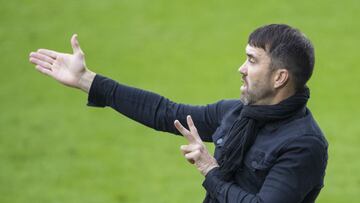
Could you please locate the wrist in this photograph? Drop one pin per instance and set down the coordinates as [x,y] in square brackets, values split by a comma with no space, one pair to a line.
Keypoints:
[209,168]
[86,80]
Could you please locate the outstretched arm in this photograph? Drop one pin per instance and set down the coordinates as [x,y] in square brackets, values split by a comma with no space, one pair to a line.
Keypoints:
[68,69]
[153,110]
[145,107]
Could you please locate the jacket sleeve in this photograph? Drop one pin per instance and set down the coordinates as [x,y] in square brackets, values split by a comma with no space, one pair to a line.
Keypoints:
[153,110]
[297,172]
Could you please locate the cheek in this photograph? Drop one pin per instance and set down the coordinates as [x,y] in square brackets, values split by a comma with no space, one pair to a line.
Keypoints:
[258,79]
[253,77]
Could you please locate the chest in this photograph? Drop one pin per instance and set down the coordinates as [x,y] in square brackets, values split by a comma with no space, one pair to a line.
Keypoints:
[258,160]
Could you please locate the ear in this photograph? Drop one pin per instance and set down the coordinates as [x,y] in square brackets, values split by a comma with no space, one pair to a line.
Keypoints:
[281,78]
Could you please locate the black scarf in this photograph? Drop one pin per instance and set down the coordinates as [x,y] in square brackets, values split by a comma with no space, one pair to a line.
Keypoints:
[244,131]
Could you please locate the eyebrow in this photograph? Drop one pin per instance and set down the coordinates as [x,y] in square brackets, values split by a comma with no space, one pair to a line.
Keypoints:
[250,55]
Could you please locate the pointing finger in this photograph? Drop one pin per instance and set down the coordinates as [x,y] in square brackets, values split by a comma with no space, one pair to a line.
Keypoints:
[186,133]
[49,53]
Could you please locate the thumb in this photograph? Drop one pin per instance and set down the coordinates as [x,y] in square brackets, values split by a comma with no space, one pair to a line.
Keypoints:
[75,45]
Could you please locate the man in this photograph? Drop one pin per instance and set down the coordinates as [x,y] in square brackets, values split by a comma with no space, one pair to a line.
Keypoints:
[268,146]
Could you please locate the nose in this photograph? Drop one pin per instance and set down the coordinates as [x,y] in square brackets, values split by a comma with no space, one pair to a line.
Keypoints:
[243,69]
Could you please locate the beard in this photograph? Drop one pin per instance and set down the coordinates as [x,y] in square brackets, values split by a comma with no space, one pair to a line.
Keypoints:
[244,99]
[257,93]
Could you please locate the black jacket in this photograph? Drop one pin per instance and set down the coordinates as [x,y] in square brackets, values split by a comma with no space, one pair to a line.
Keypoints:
[286,164]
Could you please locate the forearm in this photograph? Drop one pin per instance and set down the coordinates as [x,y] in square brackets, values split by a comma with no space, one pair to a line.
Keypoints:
[226,192]
[230,192]
[296,174]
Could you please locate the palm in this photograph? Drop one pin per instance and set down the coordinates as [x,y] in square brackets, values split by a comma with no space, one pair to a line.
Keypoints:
[68,68]
[63,67]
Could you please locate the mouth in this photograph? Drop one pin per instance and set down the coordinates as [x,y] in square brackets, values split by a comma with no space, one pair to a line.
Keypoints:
[243,80]
[243,87]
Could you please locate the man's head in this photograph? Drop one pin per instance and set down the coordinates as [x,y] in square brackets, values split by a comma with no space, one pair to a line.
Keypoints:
[280,60]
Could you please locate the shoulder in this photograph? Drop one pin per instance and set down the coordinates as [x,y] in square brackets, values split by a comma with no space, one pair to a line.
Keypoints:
[227,105]
[299,134]
[305,135]
[303,127]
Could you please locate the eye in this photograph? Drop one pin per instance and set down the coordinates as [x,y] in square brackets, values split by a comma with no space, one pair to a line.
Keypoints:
[251,60]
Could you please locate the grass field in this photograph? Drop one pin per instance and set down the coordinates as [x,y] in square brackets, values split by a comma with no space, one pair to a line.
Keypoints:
[55,149]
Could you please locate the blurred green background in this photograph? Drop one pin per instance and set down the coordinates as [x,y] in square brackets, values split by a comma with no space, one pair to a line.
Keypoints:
[53,148]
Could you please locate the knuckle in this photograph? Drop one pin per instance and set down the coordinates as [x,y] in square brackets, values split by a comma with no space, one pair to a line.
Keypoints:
[196,155]
[199,147]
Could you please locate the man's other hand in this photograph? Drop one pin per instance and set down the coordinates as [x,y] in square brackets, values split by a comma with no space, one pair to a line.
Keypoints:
[68,69]
[195,152]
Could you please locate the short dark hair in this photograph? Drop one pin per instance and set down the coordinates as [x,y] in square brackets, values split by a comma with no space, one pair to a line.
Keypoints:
[288,48]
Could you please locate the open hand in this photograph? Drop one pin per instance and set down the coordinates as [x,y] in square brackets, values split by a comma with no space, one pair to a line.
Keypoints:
[195,152]
[68,69]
